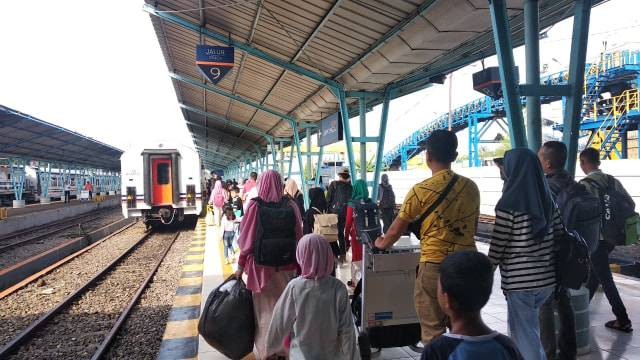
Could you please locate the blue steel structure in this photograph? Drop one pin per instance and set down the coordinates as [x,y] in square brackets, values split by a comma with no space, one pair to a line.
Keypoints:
[615,70]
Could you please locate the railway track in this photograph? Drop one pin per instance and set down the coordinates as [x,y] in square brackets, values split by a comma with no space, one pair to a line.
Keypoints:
[85,323]
[10,241]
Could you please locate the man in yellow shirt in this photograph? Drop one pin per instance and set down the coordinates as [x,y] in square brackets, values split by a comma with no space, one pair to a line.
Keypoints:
[449,226]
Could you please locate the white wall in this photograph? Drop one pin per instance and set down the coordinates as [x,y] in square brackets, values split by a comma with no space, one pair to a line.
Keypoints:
[490,184]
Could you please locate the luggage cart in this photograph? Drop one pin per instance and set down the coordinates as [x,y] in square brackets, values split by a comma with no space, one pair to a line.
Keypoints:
[384,309]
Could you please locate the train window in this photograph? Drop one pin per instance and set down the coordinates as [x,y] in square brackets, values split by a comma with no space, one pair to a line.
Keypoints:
[163,175]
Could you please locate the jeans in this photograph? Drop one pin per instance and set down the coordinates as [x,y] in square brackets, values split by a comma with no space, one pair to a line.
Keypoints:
[601,274]
[524,326]
[387,218]
[566,342]
[66,195]
[227,237]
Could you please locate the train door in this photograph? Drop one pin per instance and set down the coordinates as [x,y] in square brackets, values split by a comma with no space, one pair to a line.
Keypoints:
[161,181]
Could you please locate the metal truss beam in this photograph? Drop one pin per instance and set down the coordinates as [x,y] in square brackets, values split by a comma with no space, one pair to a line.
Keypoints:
[217,90]
[229,137]
[227,40]
[222,120]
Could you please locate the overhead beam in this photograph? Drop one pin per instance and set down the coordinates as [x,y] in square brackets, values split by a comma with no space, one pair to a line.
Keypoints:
[226,121]
[229,137]
[227,40]
[315,31]
[219,91]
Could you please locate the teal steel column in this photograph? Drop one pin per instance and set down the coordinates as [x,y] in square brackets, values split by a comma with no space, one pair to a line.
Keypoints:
[17,171]
[362,102]
[307,132]
[273,154]
[504,52]
[344,115]
[572,118]
[45,180]
[319,166]
[388,93]
[532,56]
[281,149]
[296,140]
[290,160]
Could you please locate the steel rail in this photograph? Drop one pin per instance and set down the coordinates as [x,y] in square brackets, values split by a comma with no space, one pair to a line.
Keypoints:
[44,226]
[127,311]
[27,333]
[69,225]
[28,280]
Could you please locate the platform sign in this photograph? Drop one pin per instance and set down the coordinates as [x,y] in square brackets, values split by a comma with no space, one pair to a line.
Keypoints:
[214,61]
[331,129]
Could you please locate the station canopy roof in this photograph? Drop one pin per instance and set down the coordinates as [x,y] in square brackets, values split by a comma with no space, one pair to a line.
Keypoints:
[363,44]
[27,137]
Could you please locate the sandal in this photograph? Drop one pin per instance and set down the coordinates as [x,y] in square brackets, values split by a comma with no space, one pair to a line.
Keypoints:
[617,325]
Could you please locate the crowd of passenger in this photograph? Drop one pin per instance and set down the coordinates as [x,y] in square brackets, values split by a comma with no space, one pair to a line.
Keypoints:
[302,311]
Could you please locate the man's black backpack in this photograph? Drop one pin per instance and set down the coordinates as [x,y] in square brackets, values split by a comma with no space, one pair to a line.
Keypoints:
[617,207]
[275,243]
[340,196]
[580,211]
[572,260]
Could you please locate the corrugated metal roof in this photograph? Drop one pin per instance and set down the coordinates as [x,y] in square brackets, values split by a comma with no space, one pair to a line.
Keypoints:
[363,44]
[22,135]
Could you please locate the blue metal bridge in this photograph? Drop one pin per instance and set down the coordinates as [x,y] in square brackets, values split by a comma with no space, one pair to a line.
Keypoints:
[606,121]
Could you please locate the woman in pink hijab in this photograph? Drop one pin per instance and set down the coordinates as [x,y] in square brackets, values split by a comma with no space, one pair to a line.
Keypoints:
[265,282]
[314,309]
[219,196]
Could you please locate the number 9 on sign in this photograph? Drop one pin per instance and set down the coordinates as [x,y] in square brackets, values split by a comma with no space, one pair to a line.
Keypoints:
[215,72]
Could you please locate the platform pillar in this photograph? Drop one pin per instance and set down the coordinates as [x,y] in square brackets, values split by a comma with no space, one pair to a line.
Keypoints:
[319,166]
[45,182]
[532,56]
[303,186]
[362,103]
[508,78]
[388,93]
[344,115]
[17,171]
[572,118]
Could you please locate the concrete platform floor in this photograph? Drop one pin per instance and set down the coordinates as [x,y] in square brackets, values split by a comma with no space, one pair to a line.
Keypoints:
[606,344]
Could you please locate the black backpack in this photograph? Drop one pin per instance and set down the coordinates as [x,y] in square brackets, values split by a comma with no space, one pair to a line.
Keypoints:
[572,260]
[367,221]
[275,243]
[616,207]
[341,195]
[580,212]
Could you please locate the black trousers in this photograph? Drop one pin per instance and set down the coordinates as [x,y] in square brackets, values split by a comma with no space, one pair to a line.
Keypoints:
[66,196]
[342,219]
[601,274]
[387,218]
[560,301]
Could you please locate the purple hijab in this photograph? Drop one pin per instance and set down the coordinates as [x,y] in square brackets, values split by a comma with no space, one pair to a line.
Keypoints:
[314,256]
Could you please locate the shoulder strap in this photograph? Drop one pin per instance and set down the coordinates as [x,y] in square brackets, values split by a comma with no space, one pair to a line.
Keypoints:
[439,200]
[316,209]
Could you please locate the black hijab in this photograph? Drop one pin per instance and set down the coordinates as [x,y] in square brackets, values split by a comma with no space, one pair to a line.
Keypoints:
[526,190]
[317,199]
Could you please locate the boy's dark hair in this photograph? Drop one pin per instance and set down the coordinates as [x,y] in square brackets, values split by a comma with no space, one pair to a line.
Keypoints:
[591,155]
[467,277]
[442,145]
[556,153]
[229,211]
[236,189]
[254,175]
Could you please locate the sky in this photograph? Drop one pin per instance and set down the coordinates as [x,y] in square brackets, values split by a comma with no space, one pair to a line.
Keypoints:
[96,67]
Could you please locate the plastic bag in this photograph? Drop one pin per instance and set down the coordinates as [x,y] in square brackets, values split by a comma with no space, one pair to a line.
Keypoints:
[227,320]
[209,219]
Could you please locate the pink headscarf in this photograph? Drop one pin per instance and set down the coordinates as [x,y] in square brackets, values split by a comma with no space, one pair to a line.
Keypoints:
[270,190]
[314,256]
[217,190]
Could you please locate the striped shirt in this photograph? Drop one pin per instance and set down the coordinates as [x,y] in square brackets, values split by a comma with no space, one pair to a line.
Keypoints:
[525,263]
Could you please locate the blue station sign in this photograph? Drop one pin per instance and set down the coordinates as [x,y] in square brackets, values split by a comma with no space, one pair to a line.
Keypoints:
[331,130]
[214,61]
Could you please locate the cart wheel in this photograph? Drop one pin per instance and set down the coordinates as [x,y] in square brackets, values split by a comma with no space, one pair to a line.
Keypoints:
[365,346]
